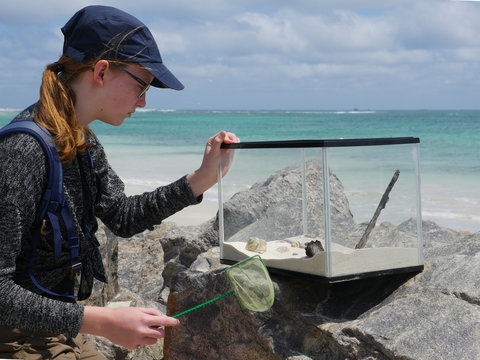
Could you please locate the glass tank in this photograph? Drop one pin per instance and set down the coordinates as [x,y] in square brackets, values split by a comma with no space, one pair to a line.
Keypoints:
[339,209]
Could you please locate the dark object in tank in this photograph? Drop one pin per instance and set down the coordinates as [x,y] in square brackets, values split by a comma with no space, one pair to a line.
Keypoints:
[313,247]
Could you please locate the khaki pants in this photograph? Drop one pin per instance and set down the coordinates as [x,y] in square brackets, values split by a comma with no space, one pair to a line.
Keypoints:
[19,344]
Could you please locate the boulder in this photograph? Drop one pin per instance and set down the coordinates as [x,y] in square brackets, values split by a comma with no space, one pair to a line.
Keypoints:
[102,293]
[140,262]
[184,244]
[430,315]
[273,209]
[433,314]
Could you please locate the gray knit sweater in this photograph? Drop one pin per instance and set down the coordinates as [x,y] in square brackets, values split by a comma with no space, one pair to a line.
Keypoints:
[23,178]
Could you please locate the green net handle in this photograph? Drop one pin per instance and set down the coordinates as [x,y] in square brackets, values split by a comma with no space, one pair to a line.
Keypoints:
[201,305]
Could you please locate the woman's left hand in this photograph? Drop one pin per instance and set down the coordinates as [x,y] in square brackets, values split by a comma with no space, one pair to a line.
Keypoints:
[206,176]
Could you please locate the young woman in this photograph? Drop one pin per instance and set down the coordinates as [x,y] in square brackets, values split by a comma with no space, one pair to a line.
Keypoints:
[109,61]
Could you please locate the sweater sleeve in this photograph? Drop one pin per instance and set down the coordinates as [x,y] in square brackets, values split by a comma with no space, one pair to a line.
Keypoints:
[128,215]
[22,180]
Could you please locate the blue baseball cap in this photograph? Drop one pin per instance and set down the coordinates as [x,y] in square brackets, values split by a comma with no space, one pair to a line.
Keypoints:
[115,35]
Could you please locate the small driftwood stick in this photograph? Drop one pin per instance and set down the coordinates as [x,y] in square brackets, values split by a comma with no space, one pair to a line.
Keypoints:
[363,241]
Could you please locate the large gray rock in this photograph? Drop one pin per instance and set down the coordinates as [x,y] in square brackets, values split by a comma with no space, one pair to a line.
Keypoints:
[102,293]
[140,262]
[417,316]
[273,209]
[431,315]
[184,244]
[227,333]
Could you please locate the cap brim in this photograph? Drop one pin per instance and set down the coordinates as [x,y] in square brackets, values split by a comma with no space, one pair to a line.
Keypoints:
[163,78]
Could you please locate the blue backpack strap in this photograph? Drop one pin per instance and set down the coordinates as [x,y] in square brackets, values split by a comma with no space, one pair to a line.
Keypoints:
[53,202]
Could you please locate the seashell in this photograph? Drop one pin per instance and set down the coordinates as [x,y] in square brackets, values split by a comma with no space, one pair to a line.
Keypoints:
[313,247]
[282,249]
[295,244]
[256,244]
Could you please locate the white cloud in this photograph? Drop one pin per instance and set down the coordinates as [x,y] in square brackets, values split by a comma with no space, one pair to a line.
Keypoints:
[277,45]
[173,42]
[22,12]
[277,34]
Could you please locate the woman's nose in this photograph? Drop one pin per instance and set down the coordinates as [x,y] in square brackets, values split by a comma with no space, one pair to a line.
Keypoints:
[142,101]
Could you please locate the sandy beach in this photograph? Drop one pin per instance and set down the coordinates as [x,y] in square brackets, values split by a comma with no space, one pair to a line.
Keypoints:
[195,214]
[191,215]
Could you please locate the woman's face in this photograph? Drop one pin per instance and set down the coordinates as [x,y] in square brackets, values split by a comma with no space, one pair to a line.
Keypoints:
[125,89]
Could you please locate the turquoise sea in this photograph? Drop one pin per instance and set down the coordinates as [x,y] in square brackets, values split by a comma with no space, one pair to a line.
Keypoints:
[155,147]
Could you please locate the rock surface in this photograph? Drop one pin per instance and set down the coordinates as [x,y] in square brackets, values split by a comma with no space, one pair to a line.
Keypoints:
[278,200]
[434,314]
[431,315]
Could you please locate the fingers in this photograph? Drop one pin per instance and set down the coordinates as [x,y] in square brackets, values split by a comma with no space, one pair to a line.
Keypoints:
[153,329]
[205,176]
[224,137]
[170,321]
[159,319]
[146,341]
[150,326]
[154,323]
[163,320]
[149,341]
[229,138]
[151,335]
[127,326]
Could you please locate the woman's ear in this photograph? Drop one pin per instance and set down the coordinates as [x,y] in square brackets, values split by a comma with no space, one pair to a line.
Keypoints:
[99,70]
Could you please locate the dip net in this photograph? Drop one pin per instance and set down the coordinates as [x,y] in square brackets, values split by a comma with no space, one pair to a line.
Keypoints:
[250,283]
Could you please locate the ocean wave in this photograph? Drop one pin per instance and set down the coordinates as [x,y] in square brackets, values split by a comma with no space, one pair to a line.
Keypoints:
[10,110]
[355,112]
[454,220]
[450,214]
[155,110]
[145,184]
[250,112]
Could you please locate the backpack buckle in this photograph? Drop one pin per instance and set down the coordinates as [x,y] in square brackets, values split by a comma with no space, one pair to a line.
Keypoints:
[75,270]
[43,229]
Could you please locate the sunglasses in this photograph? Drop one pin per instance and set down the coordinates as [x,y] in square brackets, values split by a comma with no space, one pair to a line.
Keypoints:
[138,80]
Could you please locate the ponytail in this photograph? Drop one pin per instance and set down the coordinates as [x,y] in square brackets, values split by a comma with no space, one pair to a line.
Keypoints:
[56,108]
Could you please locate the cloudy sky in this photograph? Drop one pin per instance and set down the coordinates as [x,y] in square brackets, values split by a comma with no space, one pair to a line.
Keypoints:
[275,54]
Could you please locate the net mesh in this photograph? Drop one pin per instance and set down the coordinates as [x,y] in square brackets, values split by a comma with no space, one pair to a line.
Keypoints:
[251,284]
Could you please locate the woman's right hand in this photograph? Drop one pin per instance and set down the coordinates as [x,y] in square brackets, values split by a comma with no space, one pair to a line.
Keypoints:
[206,176]
[129,327]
